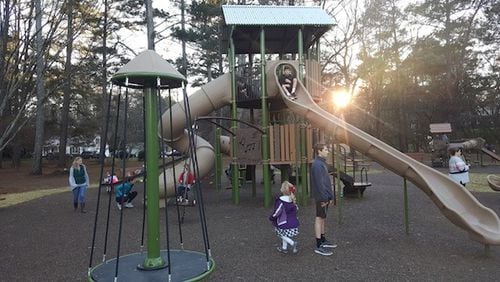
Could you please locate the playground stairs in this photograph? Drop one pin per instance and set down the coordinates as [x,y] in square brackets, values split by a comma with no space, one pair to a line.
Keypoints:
[352,187]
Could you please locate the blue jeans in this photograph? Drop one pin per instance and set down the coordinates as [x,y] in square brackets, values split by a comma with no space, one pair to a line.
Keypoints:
[183,191]
[79,194]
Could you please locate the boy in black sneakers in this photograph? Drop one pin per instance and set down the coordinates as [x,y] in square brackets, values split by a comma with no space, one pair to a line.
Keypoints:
[321,187]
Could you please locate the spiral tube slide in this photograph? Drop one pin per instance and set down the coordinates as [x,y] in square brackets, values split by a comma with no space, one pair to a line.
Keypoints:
[453,200]
[208,98]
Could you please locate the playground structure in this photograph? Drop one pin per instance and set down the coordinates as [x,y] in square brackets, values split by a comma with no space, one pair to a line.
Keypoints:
[175,125]
[356,182]
[441,143]
[453,200]
[150,73]
[493,182]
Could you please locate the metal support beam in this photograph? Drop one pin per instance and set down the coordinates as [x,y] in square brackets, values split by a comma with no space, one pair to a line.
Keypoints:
[265,121]
[407,222]
[234,125]
[153,259]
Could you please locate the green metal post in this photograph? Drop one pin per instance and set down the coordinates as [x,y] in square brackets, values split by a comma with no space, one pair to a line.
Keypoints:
[303,164]
[302,137]
[300,40]
[153,259]
[218,160]
[253,167]
[303,155]
[340,193]
[407,225]
[235,174]
[254,181]
[265,122]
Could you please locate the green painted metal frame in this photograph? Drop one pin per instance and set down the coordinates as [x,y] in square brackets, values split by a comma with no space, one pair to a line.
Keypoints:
[153,259]
[234,125]
[405,192]
[265,122]
[302,144]
[339,191]
[218,160]
[304,183]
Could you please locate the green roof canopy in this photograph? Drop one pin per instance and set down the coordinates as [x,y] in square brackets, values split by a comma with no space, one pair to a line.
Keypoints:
[145,69]
[281,25]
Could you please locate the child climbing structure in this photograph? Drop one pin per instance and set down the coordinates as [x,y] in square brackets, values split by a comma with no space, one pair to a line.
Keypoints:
[453,200]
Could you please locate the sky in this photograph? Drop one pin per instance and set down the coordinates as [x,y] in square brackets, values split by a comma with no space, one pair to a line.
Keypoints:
[168,49]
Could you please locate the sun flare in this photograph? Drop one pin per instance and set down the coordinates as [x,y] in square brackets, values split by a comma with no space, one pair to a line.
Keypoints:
[341,99]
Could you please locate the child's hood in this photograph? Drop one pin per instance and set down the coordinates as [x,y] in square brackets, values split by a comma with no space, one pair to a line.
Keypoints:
[286,198]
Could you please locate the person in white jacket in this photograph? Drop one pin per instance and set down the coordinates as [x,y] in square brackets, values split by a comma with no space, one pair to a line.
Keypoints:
[458,169]
[78,182]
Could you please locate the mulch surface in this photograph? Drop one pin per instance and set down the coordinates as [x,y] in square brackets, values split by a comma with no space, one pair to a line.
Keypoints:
[45,240]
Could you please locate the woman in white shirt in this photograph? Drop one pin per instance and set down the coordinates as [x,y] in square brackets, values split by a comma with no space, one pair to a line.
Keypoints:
[458,169]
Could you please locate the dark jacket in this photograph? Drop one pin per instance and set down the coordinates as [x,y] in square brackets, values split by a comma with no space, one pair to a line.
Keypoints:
[321,185]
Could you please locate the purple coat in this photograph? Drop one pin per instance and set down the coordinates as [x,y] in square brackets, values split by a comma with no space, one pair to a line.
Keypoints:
[285,213]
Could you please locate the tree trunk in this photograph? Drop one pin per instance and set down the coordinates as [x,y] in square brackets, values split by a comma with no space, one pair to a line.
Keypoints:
[40,88]
[67,88]
[4,36]
[104,83]
[16,154]
[150,25]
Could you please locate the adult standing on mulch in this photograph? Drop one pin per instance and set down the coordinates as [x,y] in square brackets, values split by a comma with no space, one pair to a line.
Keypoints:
[321,186]
[78,182]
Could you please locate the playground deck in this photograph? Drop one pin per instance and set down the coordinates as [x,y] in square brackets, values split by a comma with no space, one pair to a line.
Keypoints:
[44,240]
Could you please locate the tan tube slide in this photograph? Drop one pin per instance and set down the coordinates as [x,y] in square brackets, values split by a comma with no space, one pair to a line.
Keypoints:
[454,201]
[208,98]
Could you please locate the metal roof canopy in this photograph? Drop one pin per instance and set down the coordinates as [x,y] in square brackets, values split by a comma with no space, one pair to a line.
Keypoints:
[281,25]
[144,70]
[440,127]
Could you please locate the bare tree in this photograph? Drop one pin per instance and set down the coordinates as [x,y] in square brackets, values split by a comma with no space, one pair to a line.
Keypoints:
[67,87]
[40,89]
[339,54]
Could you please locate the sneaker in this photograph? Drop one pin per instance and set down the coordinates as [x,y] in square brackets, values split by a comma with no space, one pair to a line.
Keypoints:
[283,251]
[119,206]
[326,244]
[129,205]
[295,250]
[322,251]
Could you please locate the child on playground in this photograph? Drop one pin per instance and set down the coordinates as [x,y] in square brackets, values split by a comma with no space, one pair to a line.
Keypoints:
[288,82]
[284,218]
[186,180]
[123,193]
[109,181]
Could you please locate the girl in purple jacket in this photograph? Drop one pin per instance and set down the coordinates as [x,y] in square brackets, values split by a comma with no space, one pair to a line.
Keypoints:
[284,218]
